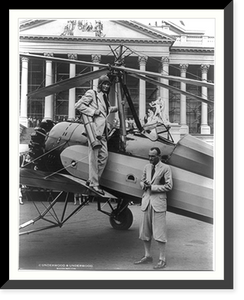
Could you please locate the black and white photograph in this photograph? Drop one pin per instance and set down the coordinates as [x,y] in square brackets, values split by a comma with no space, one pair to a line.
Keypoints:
[117,146]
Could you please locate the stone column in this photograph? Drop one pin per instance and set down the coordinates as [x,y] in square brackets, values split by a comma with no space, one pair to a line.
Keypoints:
[142,89]
[48,111]
[205,129]
[184,129]
[164,93]
[24,91]
[72,73]
[96,58]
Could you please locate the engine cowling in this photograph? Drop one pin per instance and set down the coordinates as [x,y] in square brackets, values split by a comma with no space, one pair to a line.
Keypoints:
[61,136]
[49,140]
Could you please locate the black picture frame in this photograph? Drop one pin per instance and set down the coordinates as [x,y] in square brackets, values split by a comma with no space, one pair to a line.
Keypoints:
[228,283]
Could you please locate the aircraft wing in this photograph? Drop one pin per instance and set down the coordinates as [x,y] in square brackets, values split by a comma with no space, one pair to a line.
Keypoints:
[58,181]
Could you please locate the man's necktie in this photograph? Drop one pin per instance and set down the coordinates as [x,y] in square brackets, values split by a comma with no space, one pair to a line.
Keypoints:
[106,101]
[153,171]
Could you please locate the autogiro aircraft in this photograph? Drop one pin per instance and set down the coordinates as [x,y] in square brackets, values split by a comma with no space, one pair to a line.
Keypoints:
[58,156]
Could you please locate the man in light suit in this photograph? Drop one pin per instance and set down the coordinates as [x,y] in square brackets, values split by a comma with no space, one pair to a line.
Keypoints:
[156,182]
[96,105]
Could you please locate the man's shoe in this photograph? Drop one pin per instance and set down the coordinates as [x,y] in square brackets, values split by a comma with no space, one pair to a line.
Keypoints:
[144,260]
[160,265]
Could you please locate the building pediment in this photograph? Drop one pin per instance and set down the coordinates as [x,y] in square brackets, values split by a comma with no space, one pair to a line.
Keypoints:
[100,29]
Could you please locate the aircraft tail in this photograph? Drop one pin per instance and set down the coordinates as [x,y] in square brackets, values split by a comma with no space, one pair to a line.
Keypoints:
[193,155]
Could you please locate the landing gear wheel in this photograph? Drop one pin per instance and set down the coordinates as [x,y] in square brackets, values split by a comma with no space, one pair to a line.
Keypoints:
[122,220]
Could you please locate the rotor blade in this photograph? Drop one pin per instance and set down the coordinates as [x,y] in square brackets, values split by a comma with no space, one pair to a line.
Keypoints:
[169,77]
[172,88]
[67,83]
[64,60]
[129,70]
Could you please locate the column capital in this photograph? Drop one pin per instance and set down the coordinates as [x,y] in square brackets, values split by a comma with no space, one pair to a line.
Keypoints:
[96,58]
[204,68]
[24,59]
[165,60]
[72,56]
[183,67]
[48,54]
[142,60]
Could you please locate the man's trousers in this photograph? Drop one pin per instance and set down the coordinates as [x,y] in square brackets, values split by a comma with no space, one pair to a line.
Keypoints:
[97,161]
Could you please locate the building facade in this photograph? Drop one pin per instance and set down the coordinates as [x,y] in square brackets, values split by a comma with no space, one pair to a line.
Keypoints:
[165,48]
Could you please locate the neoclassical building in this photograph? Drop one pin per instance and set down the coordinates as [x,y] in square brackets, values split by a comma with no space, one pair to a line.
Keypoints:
[162,48]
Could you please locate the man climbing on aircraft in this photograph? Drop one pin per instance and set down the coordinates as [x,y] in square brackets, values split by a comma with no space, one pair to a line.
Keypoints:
[96,105]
